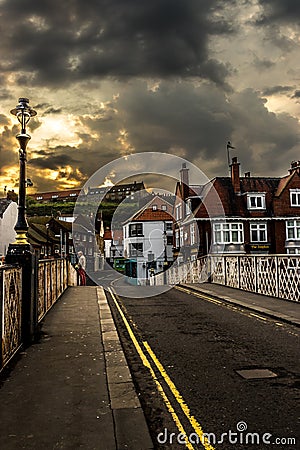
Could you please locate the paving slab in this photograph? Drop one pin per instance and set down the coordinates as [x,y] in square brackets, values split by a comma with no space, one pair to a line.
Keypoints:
[73,389]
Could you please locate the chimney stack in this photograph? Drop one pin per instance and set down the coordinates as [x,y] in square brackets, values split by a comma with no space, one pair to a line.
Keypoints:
[184,179]
[235,175]
[247,174]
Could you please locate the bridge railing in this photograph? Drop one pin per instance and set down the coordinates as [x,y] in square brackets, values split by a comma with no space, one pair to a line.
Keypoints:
[11,312]
[51,278]
[274,275]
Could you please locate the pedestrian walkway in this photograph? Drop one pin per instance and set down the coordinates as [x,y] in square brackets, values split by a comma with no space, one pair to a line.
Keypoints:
[284,310]
[73,389]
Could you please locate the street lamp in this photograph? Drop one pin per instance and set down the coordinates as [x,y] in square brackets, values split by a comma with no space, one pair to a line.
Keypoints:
[20,251]
[23,112]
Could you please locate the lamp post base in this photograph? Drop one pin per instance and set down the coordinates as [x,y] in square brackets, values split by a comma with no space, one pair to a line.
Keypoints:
[22,255]
[18,253]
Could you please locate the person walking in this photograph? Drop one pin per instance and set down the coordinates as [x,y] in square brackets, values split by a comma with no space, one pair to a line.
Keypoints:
[81,268]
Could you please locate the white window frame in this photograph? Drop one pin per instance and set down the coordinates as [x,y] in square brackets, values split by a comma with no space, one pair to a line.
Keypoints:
[295,197]
[168,226]
[133,251]
[293,251]
[178,212]
[181,237]
[136,229]
[188,207]
[256,196]
[164,207]
[260,229]
[177,239]
[192,233]
[292,229]
[228,233]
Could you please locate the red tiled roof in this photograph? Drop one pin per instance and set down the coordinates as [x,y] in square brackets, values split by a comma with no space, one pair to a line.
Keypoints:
[146,213]
[107,235]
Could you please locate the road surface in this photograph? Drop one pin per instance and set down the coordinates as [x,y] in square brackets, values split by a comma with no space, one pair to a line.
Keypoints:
[199,365]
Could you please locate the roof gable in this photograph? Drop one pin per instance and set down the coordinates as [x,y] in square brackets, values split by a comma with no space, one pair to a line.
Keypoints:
[146,213]
[285,181]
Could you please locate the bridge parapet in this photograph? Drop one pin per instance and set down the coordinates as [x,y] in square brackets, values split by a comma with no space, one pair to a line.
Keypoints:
[272,275]
[50,279]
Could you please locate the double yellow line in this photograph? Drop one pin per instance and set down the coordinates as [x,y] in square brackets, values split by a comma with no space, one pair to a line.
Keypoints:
[145,360]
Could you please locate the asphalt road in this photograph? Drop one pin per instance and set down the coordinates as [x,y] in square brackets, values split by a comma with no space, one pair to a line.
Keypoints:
[201,345]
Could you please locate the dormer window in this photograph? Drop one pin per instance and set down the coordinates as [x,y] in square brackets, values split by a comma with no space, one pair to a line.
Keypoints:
[295,197]
[256,200]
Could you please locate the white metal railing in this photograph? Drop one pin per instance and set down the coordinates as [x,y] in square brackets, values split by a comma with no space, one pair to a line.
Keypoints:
[274,275]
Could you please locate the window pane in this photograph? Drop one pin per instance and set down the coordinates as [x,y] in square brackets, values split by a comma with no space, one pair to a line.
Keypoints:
[218,236]
[226,236]
[254,236]
[235,236]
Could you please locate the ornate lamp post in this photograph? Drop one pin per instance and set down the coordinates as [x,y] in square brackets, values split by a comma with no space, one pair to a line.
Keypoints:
[20,251]
[23,112]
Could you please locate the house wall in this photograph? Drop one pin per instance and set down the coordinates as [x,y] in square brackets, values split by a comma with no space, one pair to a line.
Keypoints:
[7,223]
[153,243]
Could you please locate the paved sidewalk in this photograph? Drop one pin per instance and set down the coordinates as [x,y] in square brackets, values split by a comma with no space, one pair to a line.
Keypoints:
[284,310]
[73,389]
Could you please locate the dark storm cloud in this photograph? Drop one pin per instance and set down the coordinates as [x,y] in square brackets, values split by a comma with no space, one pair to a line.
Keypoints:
[263,64]
[8,154]
[196,122]
[273,90]
[269,141]
[52,110]
[280,11]
[178,115]
[53,161]
[296,94]
[66,41]
[3,120]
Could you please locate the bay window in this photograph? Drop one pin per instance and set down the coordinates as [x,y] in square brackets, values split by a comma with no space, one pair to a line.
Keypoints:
[228,233]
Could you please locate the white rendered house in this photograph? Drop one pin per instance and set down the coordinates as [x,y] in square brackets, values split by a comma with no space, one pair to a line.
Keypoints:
[148,239]
[8,219]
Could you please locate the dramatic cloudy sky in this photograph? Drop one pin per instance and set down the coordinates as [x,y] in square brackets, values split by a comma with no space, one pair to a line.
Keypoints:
[114,77]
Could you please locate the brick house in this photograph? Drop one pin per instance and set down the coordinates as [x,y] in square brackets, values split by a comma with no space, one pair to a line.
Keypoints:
[238,214]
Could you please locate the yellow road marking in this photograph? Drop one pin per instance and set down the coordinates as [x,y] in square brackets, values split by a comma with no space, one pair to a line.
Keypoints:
[148,365]
[198,429]
[227,305]
[197,294]
[260,317]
